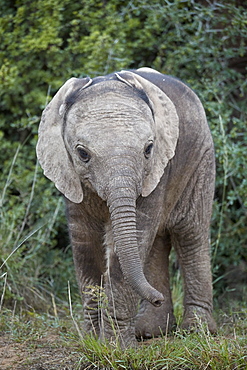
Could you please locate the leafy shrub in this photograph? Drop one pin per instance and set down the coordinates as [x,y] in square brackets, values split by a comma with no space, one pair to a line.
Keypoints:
[45,42]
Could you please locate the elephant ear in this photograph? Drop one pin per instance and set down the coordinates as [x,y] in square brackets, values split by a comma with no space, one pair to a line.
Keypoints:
[51,150]
[166,126]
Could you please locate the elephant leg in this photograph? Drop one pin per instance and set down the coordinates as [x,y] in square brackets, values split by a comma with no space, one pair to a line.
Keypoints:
[154,321]
[118,314]
[190,237]
[194,262]
[120,302]
[87,246]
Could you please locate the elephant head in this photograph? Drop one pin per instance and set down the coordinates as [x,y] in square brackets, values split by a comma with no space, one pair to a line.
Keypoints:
[116,136]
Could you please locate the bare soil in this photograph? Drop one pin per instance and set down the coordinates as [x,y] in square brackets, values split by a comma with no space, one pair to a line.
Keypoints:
[42,354]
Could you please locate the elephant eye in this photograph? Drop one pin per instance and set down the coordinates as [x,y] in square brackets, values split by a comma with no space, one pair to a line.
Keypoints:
[83,154]
[148,150]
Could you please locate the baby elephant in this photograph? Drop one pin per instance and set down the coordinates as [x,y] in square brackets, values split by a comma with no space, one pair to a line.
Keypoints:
[133,155]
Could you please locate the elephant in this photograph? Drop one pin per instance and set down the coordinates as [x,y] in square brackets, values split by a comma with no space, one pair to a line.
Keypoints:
[133,155]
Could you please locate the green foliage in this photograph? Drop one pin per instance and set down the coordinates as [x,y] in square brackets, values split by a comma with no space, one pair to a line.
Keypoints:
[45,42]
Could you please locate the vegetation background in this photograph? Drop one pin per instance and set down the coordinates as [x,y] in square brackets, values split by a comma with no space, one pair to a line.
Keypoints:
[45,42]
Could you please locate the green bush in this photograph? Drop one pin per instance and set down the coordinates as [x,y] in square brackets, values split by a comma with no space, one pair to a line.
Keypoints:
[45,42]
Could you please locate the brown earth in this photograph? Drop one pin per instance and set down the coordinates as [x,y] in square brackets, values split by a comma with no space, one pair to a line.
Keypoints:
[43,354]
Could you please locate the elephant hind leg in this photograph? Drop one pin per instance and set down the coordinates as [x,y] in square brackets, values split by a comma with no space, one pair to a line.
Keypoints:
[189,232]
[155,321]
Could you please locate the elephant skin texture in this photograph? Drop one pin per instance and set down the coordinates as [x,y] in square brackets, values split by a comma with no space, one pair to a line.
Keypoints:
[133,155]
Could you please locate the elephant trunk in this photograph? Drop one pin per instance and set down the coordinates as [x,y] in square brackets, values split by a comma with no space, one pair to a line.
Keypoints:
[122,207]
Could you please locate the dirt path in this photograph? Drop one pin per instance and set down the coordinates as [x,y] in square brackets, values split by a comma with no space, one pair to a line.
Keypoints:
[43,354]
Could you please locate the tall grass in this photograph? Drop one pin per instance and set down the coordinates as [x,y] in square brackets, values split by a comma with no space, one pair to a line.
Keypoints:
[28,250]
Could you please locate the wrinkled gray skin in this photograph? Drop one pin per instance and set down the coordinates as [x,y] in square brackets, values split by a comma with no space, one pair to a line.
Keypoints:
[128,202]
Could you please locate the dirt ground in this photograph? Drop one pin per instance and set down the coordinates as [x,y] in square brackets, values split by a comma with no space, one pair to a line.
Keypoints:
[43,354]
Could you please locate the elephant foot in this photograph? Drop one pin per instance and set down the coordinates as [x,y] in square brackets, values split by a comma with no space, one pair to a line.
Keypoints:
[90,326]
[120,332]
[154,321]
[195,317]
[120,338]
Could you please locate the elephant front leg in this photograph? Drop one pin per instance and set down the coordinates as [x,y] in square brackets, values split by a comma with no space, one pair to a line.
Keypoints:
[89,277]
[89,260]
[154,321]
[119,311]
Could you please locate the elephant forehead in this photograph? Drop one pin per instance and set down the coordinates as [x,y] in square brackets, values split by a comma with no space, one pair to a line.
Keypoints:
[96,136]
[111,105]
[109,117]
